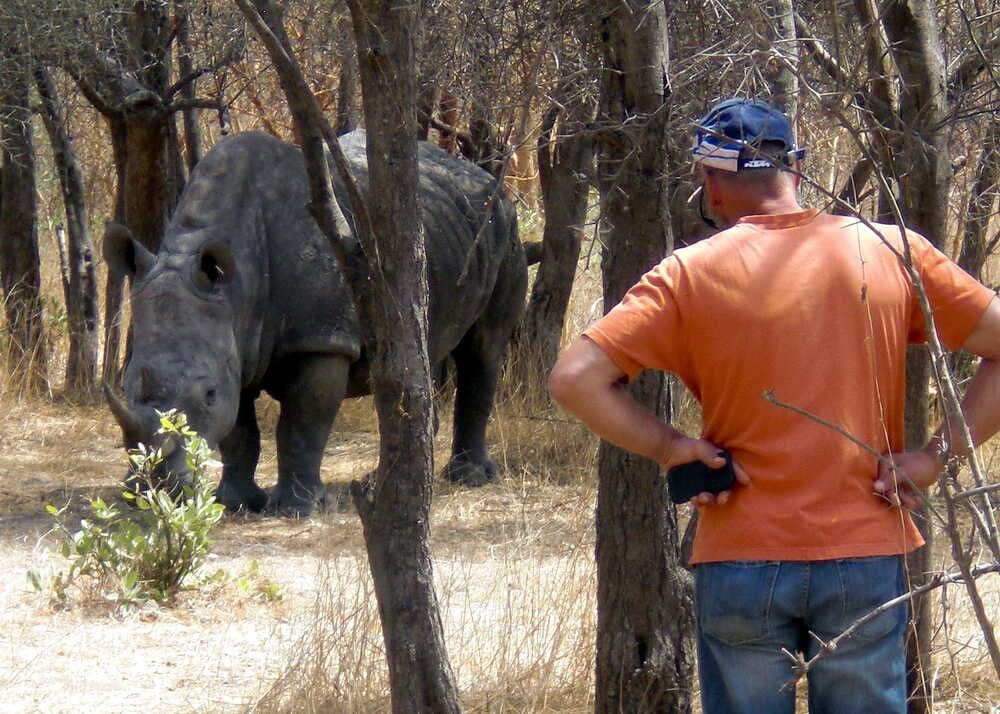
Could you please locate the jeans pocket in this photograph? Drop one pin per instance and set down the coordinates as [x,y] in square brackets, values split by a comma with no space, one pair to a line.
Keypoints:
[868,583]
[734,600]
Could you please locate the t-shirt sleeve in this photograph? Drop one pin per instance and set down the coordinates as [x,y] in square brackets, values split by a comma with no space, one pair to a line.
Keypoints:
[957,299]
[643,330]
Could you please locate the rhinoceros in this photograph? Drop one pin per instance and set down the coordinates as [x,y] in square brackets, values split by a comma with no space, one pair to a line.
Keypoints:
[244,295]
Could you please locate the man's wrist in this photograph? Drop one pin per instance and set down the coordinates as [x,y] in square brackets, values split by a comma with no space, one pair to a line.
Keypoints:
[939,448]
[666,452]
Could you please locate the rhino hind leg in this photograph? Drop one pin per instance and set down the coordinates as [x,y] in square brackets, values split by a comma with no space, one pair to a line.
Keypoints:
[477,362]
[240,451]
[310,388]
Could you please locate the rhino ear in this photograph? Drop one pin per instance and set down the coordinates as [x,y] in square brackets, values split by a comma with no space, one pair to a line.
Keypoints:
[125,256]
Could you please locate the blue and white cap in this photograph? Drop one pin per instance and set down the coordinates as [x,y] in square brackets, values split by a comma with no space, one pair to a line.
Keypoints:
[728,135]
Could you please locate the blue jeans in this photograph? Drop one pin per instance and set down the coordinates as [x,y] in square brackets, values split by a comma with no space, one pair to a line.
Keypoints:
[749,610]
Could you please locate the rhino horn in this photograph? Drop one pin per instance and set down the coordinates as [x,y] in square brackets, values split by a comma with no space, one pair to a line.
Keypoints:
[127,419]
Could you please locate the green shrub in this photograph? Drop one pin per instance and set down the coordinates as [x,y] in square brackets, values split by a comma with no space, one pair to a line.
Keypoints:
[152,552]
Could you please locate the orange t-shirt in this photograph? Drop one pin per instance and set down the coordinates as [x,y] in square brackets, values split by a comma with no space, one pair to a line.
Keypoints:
[816,308]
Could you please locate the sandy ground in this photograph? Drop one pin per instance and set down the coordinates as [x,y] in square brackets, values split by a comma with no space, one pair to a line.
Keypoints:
[505,555]
[513,569]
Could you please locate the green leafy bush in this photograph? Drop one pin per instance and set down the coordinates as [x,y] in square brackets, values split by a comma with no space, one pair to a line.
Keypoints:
[150,553]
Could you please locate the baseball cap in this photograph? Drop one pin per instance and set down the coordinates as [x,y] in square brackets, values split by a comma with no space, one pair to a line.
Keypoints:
[729,136]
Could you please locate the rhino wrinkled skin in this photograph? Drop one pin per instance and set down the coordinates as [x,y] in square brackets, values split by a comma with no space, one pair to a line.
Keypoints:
[245,295]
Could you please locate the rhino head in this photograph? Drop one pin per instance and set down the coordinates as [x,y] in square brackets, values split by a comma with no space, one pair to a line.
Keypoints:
[184,352]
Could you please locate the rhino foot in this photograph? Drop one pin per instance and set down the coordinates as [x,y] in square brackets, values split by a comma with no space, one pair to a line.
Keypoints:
[464,470]
[295,501]
[249,497]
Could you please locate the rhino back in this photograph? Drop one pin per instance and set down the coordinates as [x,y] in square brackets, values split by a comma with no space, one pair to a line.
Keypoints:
[467,229]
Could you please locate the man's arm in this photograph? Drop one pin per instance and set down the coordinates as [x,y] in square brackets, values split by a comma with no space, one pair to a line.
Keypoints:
[980,406]
[588,384]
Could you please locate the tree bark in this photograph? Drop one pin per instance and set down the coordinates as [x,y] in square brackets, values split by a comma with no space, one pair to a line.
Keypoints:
[644,638]
[128,86]
[977,246]
[348,109]
[80,284]
[20,272]
[185,68]
[922,167]
[783,82]
[394,502]
[565,164]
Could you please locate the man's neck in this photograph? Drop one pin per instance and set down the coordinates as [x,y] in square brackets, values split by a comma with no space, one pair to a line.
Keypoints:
[765,207]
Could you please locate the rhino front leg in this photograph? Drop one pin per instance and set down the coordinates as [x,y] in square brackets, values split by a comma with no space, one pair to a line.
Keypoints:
[240,451]
[310,391]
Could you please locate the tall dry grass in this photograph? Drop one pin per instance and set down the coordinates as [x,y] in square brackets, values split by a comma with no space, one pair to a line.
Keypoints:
[519,630]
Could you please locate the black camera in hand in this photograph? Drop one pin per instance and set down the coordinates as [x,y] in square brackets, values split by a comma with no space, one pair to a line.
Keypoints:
[685,481]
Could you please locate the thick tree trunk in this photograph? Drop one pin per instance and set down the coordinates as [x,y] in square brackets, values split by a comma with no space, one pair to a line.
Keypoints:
[146,192]
[20,274]
[923,170]
[644,639]
[565,166]
[394,502]
[80,284]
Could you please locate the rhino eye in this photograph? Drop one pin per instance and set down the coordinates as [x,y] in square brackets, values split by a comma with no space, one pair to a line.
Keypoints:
[211,269]
[215,266]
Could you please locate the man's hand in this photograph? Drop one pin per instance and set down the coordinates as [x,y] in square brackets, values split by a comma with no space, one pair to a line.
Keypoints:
[921,467]
[682,450]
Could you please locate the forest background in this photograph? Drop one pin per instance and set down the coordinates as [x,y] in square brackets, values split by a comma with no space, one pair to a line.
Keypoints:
[583,111]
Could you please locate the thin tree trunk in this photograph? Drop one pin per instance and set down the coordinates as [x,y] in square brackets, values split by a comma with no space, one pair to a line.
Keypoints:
[565,166]
[20,273]
[783,81]
[348,109]
[114,285]
[80,285]
[644,638]
[924,176]
[394,503]
[976,243]
[185,67]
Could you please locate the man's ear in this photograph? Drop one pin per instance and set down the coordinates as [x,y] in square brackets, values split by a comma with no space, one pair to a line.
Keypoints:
[125,256]
[797,175]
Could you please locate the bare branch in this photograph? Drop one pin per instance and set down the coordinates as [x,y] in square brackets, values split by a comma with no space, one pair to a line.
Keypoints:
[802,666]
[194,103]
[768,396]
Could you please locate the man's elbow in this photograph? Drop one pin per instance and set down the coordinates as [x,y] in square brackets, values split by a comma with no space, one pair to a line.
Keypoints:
[562,382]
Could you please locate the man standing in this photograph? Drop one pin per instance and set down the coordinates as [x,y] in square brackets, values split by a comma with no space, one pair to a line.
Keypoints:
[816,309]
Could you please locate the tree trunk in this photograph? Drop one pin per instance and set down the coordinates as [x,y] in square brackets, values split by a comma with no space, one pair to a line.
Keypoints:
[394,502]
[783,82]
[565,166]
[20,273]
[80,285]
[185,67]
[923,170]
[976,243]
[114,285]
[348,111]
[644,638]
